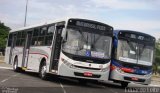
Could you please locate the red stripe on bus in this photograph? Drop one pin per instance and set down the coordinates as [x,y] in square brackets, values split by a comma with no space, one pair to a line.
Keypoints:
[39,54]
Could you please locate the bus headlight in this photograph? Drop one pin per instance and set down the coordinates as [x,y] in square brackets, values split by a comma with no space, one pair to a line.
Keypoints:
[67,63]
[119,70]
[148,75]
[105,69]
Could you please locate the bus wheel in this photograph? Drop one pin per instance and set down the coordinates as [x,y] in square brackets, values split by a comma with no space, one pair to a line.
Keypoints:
[43,71]
[15,65]
[124,84]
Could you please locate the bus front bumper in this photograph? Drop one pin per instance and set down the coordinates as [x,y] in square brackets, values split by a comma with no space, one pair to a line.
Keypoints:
[122,76]
[65,70]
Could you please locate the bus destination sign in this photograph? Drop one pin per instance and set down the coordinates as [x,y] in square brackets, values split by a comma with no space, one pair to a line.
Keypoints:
[136,36]
[89,24]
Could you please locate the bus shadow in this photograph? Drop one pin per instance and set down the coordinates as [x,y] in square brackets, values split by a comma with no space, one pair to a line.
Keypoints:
[74,82]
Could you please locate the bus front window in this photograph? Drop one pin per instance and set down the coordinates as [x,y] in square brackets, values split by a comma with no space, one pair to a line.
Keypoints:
[145,53]
[127,51]
[79,42]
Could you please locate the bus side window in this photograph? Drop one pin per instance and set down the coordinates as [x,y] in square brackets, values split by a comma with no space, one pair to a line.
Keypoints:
[35,36]
[49,35]
[10,40]
[18,38]
[23,38]
[41,37]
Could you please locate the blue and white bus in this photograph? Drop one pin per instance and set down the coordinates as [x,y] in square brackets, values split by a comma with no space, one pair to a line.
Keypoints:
[132,57]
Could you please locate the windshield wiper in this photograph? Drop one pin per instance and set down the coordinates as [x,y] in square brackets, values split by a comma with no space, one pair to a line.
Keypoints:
[140,52]
[131,45]
[83,36]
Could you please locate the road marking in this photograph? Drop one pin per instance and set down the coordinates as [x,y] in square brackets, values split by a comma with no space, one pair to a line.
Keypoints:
[154,85]
[5,68]
[8,78]
[64,91]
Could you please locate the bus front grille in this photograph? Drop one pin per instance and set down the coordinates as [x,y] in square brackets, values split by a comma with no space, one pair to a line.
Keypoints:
[87,67]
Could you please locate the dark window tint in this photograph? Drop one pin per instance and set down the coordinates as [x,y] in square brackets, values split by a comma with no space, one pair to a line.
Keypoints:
[10,39]
[34,41]
[18,42]
[43,36]
[50,30]
[24,34]
[21,37]
[40,41]
[49,36]
[22,42]
[36,31]
[43,31]
[48,40]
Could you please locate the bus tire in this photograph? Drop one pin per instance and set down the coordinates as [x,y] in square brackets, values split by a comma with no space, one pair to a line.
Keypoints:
[15,65]
[43,70]
[124,84]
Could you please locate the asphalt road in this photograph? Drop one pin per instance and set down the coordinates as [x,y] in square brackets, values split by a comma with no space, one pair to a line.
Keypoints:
[27,82]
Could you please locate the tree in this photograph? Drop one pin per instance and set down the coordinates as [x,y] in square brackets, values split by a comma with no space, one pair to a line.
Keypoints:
[158,41]
[157,56]
[4,30]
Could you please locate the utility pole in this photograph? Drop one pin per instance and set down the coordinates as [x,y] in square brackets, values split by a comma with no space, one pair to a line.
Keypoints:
[25,20]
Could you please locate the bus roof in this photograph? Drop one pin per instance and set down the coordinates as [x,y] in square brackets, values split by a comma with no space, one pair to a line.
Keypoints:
[40,24]
[132,32]
[50,22]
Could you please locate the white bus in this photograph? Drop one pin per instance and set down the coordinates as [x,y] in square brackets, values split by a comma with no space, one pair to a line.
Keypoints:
[73,47]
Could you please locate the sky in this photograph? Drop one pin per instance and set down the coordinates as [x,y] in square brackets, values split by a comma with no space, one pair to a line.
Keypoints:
[138,15]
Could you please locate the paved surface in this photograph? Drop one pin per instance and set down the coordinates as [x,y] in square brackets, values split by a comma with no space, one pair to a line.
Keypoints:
[28,82]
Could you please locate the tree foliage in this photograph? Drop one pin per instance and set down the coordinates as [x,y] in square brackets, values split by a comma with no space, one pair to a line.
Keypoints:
[4,30]
[157,56]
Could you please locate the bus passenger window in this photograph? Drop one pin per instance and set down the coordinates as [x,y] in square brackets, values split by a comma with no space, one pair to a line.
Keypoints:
[34,41]
[35,36]
[41,36]
[10,39]
[49,35]
[40,41]
[43,31]
[50,30]
[48,40]
[35,33]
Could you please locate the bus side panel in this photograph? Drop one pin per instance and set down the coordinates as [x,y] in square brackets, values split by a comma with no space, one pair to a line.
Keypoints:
[19,54]
[36,54]
[7,53]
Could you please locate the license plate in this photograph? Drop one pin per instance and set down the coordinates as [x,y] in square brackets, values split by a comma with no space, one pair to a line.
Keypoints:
[88,74]
[134,78]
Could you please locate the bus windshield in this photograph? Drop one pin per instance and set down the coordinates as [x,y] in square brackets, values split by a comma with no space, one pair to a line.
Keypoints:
[145,53]
[129,51]
[87,43]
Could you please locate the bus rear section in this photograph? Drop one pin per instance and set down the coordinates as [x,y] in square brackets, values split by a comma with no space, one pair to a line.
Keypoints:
[85,50]
[132,57]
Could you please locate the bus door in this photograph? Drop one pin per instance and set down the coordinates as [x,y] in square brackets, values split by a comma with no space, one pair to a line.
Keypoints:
[12,47]
[56,47]
[26,49]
